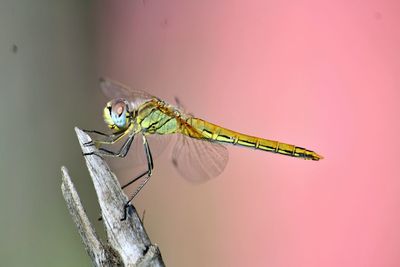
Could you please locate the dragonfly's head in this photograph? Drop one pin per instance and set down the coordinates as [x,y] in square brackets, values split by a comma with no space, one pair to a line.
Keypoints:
[117,115]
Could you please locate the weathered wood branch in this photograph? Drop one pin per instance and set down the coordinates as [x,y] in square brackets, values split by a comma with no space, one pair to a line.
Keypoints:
[128,243]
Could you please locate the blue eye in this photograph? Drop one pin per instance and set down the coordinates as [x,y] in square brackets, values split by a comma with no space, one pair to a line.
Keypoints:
[120,120]
[118,114]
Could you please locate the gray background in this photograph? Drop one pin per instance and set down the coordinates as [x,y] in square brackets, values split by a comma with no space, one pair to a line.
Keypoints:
[46,88]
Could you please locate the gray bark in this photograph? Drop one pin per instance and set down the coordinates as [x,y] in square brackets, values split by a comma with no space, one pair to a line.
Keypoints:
[128,243]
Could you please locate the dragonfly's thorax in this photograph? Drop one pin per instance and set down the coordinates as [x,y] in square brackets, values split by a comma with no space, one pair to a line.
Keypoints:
[157,117]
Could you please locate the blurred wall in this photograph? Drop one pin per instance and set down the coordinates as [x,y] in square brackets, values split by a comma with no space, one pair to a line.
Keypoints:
[47,86]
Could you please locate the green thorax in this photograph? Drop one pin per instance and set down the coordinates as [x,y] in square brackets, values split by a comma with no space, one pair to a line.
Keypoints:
[156,117]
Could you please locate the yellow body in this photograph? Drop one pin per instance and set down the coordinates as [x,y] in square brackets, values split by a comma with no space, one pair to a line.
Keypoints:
[156,117]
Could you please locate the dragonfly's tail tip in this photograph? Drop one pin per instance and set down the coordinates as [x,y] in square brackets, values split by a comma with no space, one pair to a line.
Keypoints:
[318,157]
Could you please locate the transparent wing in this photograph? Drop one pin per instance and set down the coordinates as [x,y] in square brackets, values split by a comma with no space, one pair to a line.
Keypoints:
[180,106]
[199,160]
[113,89]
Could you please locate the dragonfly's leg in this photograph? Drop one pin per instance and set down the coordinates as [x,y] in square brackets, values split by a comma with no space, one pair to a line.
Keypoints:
[113,138]
[121,152]
[96,132]
[149,164]
[109,138]
[90,143]
[150,167]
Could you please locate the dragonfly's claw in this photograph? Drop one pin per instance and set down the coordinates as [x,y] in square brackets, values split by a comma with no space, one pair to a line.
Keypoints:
[126,207]
[94,131]
[90,143]
[87,131]
[92,153]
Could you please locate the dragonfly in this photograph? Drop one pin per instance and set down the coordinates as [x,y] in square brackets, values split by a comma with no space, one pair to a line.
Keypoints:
[199,152]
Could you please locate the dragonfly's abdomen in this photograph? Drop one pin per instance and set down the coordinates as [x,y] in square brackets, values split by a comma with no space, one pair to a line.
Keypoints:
[214,132]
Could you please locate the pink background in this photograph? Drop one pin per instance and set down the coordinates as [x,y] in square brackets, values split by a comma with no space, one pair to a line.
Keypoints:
[318,74]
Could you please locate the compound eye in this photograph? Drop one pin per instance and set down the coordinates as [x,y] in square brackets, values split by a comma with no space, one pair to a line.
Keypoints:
[118,113]
[119,108]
